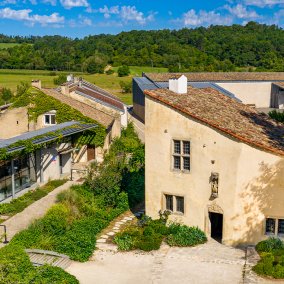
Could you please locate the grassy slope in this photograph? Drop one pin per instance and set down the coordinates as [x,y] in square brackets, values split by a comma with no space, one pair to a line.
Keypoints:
[11,78]
[8,45]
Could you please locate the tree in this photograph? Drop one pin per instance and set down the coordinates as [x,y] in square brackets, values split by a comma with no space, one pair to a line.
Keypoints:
[6,95]
[60,79]
[123,71]
[126,87]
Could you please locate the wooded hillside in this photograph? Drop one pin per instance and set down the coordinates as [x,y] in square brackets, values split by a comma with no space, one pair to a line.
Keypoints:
[216,48]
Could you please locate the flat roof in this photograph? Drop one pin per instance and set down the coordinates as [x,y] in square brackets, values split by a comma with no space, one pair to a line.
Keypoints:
[218,76]
[46,134]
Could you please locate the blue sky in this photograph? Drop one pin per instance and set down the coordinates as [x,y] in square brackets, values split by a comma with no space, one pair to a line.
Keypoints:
[78,18]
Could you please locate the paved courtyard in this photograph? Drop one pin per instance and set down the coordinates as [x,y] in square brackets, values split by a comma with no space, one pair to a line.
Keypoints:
[209,263]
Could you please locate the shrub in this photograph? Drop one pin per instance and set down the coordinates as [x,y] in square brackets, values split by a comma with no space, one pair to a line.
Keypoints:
[79,242]
[269,245]
[150,242]
[109,71]
[60,79]
[124,241]
[19,204]
[14,265]
[126,87]
[49,274]
[123,71]
[181,235]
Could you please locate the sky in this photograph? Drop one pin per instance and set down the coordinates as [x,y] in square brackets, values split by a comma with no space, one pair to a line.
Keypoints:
[79,18]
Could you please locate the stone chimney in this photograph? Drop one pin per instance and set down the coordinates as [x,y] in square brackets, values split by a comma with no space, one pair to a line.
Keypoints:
[36,84]
[179,85]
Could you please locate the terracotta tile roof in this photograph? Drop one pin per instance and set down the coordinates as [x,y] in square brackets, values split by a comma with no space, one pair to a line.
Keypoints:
[218,76]
[227,115]
[101,117]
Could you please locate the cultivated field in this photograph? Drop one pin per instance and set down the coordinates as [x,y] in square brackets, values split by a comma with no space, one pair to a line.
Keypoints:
[11,78]
[7,45]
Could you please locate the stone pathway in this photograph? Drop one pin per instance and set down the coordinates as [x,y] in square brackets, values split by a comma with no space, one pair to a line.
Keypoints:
[104,241]
[35,211]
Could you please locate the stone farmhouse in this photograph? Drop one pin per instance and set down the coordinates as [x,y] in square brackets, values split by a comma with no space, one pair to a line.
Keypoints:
[212,158]
[264,90]
[54,160]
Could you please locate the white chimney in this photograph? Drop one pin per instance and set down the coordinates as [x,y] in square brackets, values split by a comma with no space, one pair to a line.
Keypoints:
[178,85]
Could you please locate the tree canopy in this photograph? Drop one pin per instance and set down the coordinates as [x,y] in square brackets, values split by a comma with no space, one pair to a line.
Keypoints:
[254,46]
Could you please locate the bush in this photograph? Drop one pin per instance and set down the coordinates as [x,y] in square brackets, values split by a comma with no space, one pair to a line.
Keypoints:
[277,115]
[14,265]
[109,71]
[124,241]
[126,87]
[183,236]
[49,274]
[60,79]
[269,245]
[19,204]
[150,242]
[123,71]
[272,258]
[79,242]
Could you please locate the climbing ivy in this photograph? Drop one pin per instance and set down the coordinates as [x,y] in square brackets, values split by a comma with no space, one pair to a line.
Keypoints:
[38,103]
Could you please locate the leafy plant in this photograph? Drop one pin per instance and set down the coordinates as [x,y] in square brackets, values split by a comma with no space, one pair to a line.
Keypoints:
[123,71]
[277,115]
[269,245]
[184,236]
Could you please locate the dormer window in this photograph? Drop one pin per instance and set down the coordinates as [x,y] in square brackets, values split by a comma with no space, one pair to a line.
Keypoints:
[49,119]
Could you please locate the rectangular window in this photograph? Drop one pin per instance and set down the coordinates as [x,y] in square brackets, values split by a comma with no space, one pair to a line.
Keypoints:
[49,119]
[180,204]
[174,203]
[270,226]
[169,202]
[181,155]
[281,226]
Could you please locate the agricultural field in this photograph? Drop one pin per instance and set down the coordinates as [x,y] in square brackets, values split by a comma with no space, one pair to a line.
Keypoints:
[7,45]
[11,78]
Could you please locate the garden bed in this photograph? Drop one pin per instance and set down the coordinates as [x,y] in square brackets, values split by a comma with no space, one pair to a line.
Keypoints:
[148,235]
[271,264]
[19,204]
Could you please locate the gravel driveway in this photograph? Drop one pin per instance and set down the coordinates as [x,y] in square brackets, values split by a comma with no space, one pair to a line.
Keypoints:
[209,263]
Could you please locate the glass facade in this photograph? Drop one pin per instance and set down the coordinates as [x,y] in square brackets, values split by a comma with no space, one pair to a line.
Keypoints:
[24,175]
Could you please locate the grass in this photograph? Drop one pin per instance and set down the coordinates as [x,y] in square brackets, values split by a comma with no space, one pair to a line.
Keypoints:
[8,45]
[19,204]
[11,78]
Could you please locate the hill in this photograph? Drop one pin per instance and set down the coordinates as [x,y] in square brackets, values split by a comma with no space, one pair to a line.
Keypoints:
[216,48]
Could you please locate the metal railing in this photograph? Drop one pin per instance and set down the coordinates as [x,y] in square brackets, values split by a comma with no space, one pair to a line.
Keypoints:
[5,234]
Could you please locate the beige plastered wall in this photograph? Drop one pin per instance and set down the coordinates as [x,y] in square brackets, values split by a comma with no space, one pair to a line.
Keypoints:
[257,93]
[246,176]
[13,122]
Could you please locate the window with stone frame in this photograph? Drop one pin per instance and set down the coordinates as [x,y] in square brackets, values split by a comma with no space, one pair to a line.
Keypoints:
[274,226]
[181,155]
[174,203]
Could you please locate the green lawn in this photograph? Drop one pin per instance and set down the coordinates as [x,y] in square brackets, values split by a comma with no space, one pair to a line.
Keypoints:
[11,78]
[8,45]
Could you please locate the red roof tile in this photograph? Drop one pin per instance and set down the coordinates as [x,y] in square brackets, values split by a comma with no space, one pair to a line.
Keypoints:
[227,115]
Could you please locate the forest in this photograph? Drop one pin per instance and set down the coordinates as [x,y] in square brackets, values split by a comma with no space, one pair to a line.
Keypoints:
[253,47]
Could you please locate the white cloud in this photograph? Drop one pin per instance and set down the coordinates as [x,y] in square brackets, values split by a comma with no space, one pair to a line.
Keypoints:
[242,12]
[80,22]
[26,16]
[68,4]
[204,18]
[125,14]
[51,2]
[263,3]
[7,2]
[114,10]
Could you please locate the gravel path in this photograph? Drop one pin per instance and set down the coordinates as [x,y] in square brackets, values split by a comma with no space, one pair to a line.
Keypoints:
[209,263]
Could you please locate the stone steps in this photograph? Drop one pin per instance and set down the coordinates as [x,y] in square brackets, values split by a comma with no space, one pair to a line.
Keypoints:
[42,257]
[102,242]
